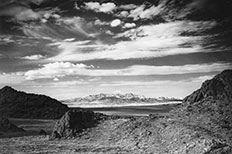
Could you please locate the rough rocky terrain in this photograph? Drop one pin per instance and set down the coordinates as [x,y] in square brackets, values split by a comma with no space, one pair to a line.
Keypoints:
[74,121]
[17,104]
[210,106]
[201,125]
[125,135]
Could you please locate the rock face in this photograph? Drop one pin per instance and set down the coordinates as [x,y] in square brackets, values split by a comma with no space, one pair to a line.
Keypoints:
[210,106]
[218,88]
[73,122]
[146,135]
[17,104]
[213,100]
[6,126]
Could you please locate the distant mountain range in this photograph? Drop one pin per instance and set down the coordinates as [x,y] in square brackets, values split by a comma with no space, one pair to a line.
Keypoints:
[112,100]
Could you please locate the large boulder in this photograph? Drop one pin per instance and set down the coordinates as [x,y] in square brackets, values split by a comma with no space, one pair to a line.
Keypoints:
[74,121]
[17,104]
[42,132]
[6,126]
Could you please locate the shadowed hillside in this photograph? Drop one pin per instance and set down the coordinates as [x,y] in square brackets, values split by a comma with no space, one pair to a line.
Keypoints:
[17,104]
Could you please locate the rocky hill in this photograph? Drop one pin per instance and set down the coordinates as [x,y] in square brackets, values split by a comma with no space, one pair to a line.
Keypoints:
[210,106]
[112,100]
[6,126]
[200,125]
[213,99]
[17,104]
[218,88]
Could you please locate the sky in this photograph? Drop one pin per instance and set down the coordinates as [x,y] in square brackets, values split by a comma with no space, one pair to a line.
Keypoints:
[74,48]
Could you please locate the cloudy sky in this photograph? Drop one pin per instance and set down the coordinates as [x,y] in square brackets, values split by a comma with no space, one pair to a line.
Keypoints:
[73,48]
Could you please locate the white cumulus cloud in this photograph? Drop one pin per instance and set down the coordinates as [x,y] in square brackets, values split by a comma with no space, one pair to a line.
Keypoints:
[129,25]
[115,23]
[55,70]
[33,57]
[62,69]
[123,14]
[104,7]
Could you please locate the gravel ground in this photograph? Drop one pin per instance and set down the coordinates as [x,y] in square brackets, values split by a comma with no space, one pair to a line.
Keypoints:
[124,135]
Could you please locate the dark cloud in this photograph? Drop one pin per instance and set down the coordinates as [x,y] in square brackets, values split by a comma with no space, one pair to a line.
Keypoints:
[197,9]
[21,2]
[20,9]
[19,12]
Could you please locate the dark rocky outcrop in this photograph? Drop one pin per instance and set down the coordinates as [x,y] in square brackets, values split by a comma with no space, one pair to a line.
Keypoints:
[74,121]
[6,126]
[42,132]
[17,104]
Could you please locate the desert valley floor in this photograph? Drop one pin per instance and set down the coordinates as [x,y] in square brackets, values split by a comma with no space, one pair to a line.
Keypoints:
[106,137]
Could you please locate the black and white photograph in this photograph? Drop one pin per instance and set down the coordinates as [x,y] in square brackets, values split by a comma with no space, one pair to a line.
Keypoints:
[115,77]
